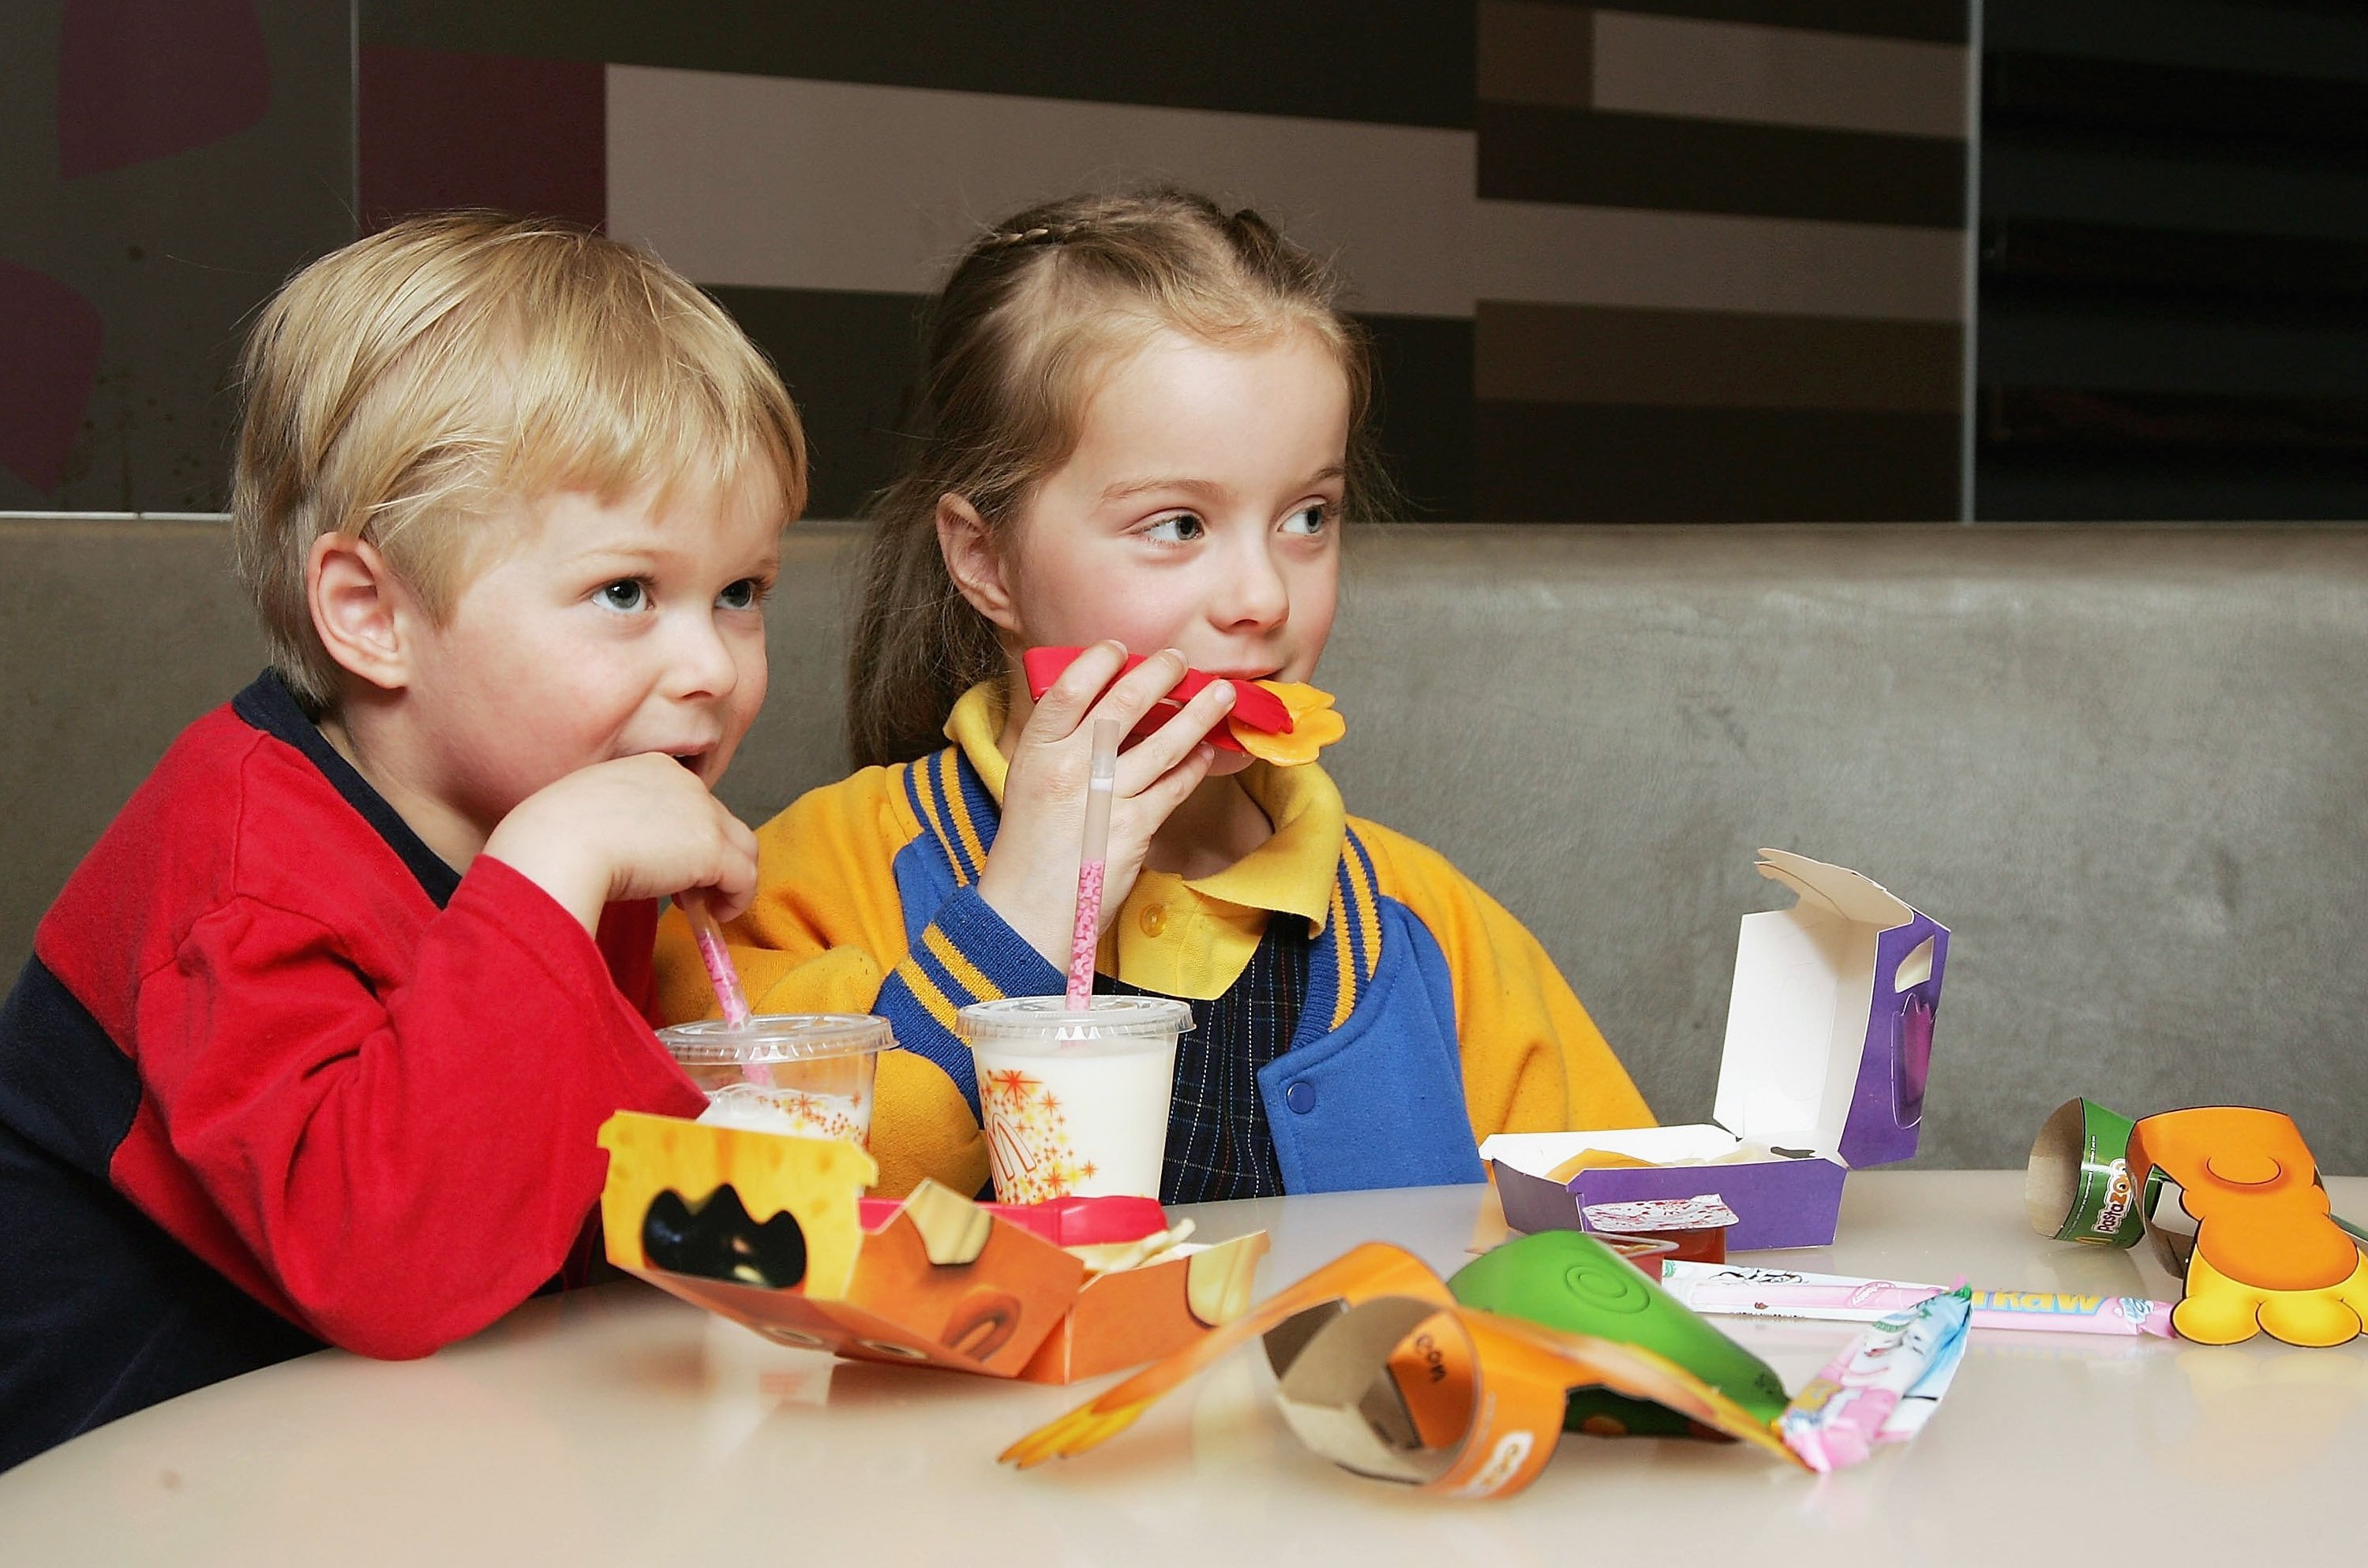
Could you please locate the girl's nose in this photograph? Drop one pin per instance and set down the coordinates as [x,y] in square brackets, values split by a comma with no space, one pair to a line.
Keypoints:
[1253,593]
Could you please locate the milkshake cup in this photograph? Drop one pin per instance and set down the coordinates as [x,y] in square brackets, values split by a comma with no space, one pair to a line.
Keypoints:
[1074,1099]
[808,1075]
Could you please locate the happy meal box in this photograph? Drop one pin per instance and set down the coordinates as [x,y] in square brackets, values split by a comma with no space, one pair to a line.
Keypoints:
[770,1230]
[1828,1040]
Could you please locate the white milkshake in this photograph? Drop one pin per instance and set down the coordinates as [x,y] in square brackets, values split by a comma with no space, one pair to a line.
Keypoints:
[1075,1100]
[808,1075]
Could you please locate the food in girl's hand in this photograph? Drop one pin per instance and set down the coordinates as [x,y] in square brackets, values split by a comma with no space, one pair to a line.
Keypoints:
[1314,725]
[1284,723]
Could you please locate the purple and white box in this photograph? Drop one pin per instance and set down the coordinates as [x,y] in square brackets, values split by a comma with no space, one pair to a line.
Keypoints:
[1829,1041]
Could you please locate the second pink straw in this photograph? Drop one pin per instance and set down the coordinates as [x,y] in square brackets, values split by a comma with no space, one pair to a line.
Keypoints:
[1093,856]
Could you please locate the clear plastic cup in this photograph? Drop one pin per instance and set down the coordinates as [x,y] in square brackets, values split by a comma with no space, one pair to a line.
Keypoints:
[808,1075]
[1074,1099]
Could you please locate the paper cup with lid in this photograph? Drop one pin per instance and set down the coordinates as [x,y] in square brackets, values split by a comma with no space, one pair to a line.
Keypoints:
[808,1074]
[1075,1100]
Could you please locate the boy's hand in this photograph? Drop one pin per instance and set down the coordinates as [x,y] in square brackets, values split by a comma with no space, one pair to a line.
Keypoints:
[637,828]
[1030,877]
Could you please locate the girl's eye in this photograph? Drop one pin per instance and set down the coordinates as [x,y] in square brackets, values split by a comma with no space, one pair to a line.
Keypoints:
[1181,528]
[625,594]
[745,593]
[1311,519]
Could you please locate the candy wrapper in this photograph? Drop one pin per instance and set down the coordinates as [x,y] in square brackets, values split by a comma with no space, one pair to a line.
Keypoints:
[1884,1388]
[1732,1290]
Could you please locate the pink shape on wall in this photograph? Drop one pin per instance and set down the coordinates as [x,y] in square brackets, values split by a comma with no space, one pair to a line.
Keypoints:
[49,341]
[448,130]
[140,79]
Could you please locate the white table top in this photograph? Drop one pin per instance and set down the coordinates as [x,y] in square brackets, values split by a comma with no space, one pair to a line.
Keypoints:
[621,1426]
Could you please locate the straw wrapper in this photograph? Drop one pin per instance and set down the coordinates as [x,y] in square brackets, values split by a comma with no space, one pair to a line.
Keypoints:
[1883,1388]
[1734,1290]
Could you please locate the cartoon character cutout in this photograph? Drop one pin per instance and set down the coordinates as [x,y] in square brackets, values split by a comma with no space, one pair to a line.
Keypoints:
[2267,1254]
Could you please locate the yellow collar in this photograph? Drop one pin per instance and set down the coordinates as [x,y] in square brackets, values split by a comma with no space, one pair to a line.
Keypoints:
[1291,873]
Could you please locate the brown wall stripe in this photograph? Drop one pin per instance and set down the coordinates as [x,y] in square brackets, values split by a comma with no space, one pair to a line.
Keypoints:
[1546,253]
[1323,59]
[1534,53]
[1422,413]
[1933,22]
[1683,66]
[1530,154]
[1556,462]
[442,129]
[1713,359]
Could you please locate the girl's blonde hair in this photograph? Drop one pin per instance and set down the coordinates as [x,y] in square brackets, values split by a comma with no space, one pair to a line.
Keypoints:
[405,388]
[1035,311]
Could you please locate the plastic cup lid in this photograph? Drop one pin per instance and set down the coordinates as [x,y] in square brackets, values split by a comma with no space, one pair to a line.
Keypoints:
[780,1037]
[1049,1020]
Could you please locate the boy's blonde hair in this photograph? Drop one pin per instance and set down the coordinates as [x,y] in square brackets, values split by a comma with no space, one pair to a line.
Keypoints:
[1036,310]
[405,387]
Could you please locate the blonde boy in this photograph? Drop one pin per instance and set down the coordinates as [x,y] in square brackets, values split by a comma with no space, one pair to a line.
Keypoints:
[313,1044]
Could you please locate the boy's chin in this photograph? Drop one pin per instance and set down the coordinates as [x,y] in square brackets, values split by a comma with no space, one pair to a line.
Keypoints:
[1229,762]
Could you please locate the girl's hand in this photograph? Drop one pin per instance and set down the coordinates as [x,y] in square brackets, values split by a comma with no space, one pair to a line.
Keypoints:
[635,827]
[1031,878]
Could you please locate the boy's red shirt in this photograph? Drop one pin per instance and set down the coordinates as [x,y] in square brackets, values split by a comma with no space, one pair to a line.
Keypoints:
[367,1090]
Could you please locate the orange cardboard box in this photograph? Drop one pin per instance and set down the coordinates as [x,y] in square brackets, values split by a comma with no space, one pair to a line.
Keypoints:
[764,1230]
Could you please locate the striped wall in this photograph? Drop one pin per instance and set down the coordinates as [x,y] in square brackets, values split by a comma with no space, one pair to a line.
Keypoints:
[1671,259]
[1701,260]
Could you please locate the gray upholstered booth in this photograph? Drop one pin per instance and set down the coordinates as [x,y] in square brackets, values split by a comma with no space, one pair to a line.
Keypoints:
[2127,767]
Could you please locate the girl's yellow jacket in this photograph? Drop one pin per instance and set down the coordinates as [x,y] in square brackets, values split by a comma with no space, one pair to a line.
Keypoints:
[1432,1020]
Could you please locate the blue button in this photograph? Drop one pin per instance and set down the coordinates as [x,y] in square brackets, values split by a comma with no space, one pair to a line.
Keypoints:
[1300,1097]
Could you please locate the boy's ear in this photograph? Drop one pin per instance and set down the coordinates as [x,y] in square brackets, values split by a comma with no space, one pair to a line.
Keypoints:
[358,610]
[973,562]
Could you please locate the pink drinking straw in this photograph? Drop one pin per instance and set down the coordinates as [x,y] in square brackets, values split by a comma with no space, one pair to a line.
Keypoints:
[1084,934]
[718,958]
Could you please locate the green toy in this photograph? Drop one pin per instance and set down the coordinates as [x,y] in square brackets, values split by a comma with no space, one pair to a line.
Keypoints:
[1569,1281]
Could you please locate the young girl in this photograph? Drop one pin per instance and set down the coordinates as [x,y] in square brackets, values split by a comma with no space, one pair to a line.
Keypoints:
[1144,432]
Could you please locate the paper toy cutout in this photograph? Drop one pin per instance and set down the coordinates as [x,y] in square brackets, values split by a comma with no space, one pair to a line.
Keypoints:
[814,1181]
[2077,1187]
[1827,1050]
[1381,1370]
[2267,1254]
[767,1230]
[1568,1280]
[1283,722]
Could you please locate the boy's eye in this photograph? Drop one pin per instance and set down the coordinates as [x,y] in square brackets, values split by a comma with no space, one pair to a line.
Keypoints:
[1310,520]
[745,593]
[1181,528]
[625,594]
